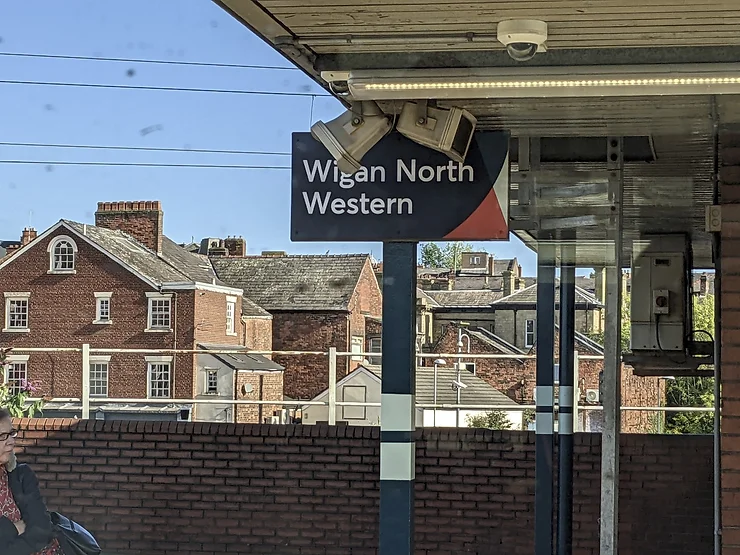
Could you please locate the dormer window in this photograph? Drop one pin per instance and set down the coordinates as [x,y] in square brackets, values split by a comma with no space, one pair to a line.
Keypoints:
[62,254]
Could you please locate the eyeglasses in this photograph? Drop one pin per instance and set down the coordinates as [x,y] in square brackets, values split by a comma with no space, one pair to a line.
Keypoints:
[6,435]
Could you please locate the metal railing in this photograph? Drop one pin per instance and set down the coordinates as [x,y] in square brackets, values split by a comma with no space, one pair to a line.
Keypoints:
[86,401]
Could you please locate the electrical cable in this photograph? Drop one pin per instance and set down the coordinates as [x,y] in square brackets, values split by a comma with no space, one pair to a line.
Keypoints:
[158,88]
[144,61]
[145,149]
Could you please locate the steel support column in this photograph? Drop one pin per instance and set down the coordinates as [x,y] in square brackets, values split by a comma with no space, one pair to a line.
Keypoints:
[397,422]
[544,444]
[611,388]
[565,398]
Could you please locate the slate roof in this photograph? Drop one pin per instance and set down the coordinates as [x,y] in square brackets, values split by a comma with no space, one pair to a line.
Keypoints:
[528,296]
[494,341]
[421,294]
[291,283]
[239,360]
[174,265]
[465,298]
[478,392]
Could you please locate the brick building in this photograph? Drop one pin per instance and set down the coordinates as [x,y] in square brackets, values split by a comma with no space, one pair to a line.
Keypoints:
[316,302]
[517,377]
[119,284]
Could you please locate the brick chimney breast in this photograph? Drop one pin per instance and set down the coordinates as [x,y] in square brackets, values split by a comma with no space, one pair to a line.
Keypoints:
[142,219]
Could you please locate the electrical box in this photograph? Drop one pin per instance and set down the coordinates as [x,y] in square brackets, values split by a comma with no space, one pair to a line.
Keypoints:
[660,304]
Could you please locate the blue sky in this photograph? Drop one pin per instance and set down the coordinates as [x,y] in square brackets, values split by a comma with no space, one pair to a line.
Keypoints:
[197,202]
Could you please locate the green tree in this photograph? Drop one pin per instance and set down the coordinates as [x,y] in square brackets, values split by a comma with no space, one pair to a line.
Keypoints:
[448,256]
[17,402]
[493,420]
[693,391]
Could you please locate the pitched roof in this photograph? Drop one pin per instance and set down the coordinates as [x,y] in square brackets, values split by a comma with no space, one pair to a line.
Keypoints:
[477,392]
[528,296]
[423,295]
[174,265]
[305,282]
[465,298]
[490,338]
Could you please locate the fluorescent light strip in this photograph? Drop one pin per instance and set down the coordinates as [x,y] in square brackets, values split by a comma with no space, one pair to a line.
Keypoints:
[547,82]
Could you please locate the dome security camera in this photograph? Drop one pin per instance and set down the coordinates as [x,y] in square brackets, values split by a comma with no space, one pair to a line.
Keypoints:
[523,38]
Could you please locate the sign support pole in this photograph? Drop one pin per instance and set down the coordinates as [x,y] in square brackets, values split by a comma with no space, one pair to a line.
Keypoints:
[544,415]
[565,398]
[397,420]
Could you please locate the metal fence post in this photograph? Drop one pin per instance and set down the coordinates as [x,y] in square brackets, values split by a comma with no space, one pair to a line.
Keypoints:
[332,386]
[85,381]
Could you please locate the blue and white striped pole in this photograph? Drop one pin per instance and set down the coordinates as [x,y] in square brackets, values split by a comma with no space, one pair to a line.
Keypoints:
[544,444]
[397,421]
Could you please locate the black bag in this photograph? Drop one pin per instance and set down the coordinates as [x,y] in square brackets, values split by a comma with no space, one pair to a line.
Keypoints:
[74,539]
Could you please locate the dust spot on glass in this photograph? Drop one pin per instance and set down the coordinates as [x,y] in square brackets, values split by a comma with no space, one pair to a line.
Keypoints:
[49,168]
[214,23]
[130,72]
[88,214]
[49,107]
[151,129]
[12,186]
[1,40]
[305,88]
[187,147]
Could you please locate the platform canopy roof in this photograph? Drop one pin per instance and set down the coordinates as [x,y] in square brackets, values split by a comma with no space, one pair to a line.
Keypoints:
[669,132]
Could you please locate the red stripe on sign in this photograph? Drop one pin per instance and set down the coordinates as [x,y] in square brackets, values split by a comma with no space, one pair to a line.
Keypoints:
[486,223]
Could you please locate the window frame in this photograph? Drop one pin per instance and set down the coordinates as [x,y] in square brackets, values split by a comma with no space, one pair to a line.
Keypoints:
[100,360]
[346,409]
[151,363]
[527,333]
[15,296]
[53,245]
[231,324]
[99,298]
[208,373]
[11,360]
[357,341]
[153,297]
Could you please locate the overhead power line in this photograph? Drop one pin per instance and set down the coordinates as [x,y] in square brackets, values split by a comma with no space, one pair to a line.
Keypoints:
[143,165]
[155,88]
[146,149]
[144,61]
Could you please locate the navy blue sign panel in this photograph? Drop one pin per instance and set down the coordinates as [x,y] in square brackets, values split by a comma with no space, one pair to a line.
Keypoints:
[403,192]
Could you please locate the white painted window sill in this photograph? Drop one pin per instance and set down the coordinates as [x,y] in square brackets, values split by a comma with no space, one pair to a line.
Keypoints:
[231,334]
[157,330]
[62,272]
[107,322]
[16,330]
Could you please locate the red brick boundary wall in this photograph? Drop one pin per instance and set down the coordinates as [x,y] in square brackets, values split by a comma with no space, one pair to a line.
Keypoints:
[159,488]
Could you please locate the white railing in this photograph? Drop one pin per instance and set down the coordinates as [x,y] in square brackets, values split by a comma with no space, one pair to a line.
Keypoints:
[86,400]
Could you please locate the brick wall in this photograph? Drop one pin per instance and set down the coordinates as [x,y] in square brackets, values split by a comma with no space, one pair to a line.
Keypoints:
[210,319]
[265,387]
[506,375]
[308,375]
[730,338]
[367,300]
[257,333]
[202,489]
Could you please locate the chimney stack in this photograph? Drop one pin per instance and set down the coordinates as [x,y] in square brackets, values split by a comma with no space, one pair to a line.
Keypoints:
[143,220]
[236,246]
[29,234]
[509,282]
[703,285]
